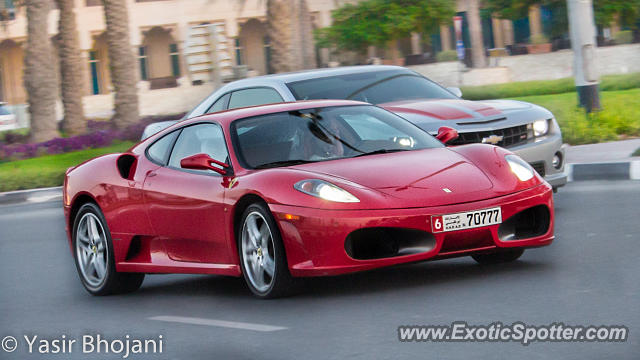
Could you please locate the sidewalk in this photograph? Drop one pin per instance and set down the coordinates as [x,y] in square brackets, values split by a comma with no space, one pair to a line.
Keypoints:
[604,161]
[614,151]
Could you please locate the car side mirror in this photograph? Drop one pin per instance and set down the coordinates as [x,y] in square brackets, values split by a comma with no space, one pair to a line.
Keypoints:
[203,162]
[447,134]
[455,91]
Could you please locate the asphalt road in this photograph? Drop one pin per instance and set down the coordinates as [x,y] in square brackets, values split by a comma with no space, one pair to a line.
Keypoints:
[589,276]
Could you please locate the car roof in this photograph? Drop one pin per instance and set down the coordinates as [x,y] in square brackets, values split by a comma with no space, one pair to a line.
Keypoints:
[310,74]
[228,116]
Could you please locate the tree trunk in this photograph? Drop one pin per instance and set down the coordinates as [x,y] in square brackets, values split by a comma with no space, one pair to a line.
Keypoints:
[475,29]
[279,26]
[290,31]
[121,62]
[307,44]
[71,70]
[39,75]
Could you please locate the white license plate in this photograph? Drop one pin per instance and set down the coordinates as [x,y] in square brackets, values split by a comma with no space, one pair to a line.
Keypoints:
[466,220]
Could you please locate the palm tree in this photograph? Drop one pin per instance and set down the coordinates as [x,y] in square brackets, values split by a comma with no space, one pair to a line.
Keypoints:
[290,31]
[71,70]
[475,30]
[121,62]
[39,75]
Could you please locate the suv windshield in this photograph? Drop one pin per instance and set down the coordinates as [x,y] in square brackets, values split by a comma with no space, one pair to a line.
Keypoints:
[311,135]
[375,87]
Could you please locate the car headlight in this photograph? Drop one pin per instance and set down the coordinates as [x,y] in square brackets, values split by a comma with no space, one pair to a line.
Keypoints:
[519,167]
[540,127]
[324,190]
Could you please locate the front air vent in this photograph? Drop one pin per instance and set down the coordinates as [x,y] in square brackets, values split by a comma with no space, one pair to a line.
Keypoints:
[385,242]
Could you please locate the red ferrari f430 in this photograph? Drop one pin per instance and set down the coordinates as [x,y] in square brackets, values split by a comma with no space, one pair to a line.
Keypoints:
[282,191]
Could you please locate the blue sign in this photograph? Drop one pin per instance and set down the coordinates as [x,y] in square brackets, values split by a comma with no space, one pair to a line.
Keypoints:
[460,49]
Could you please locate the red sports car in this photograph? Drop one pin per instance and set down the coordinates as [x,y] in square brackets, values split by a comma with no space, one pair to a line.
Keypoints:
[291,190]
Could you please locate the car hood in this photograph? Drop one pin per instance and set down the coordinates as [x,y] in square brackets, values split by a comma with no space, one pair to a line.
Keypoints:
[465,115]
[429,177]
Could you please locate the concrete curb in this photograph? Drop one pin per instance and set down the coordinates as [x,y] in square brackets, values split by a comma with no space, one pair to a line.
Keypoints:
[621,170]
[615,170]
[32,196]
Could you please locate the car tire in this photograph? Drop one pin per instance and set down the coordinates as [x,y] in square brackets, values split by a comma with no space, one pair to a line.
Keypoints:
[93,254]
[262,256]
[499,257]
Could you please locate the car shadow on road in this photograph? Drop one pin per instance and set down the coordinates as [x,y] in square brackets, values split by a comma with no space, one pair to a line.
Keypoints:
[428,275]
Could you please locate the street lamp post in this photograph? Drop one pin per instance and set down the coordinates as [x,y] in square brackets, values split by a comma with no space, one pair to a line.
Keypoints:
[582,30]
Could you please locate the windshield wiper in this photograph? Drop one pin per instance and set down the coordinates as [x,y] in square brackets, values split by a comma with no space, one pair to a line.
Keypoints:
[283,163]
[382,151]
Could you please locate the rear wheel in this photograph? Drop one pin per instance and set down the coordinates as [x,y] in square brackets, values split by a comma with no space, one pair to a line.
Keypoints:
[262,256]
[93,254]
[499,257]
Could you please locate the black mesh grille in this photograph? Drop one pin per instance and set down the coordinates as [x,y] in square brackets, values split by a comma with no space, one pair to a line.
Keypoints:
[538,167]
[510,136]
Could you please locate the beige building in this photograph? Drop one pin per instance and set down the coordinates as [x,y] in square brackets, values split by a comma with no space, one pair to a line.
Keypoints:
[172,39]
[183,43]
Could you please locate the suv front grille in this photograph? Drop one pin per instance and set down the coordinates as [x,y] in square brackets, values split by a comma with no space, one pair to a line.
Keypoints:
[511,136]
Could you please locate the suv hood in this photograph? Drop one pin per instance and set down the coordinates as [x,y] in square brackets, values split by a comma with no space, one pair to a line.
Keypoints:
[465,115]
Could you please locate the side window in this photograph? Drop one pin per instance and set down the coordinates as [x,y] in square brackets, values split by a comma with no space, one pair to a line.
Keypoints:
[158,152]
[219,105]
[256,96]
[199,139]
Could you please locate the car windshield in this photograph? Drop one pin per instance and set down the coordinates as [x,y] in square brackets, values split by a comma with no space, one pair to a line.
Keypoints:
[375,87]
[321,134]
[4,110]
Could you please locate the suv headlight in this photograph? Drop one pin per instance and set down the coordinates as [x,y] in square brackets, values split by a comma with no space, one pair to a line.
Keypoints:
[324,190]
[519,167]
[540,127]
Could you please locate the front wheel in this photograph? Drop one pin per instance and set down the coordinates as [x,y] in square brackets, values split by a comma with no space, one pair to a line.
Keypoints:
[262,256]
[93,254]
[499,257]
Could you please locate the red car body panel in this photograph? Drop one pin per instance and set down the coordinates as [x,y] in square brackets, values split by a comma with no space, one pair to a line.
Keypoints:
[164,220]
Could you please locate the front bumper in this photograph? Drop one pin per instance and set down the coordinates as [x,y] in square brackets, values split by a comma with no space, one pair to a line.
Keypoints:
[541,151]
[315,239]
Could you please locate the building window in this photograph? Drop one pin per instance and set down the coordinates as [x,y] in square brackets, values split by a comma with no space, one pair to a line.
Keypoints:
[267,53]
[7,10]
[93,2]
[175,59]
[93,64]
[142,58]
[238,48]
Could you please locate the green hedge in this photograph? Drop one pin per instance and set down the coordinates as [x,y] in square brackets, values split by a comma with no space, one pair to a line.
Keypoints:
[620,116]
[546,87]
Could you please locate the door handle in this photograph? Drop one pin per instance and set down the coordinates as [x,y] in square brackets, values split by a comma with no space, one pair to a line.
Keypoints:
[152,174]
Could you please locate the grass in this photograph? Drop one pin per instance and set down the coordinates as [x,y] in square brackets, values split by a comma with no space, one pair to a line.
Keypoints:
[48,170]
[619,118]
[547,87]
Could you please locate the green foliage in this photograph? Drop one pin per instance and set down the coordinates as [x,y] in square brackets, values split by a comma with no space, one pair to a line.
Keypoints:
[539,39]
[636,153]
[376,22]
[623,37]
[447,55]
[620,116]
[47,171]
[545,87]
[605,11]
